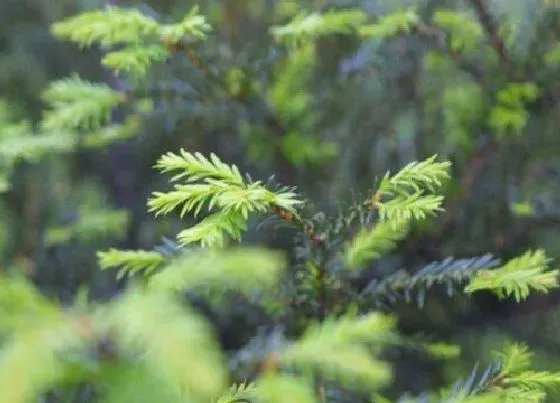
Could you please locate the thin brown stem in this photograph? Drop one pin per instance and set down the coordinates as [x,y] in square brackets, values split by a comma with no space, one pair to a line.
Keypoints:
[493,32]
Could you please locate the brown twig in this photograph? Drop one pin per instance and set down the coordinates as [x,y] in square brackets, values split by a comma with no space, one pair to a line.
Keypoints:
[493,32]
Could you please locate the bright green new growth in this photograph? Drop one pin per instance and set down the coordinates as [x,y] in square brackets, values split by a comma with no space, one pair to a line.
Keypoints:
[518,277]
[241,269]
[510,114]
[220,186]
[306,26]
[78,104]
[391,25]
[516,376]
[171,349]
[409,191]
[372,243]
[131,262]
[145,40]
[47,345]
[337,345]
[416,175]
[466,32]
[409,200]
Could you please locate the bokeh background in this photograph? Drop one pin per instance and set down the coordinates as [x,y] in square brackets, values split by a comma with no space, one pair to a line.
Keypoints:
[330,124]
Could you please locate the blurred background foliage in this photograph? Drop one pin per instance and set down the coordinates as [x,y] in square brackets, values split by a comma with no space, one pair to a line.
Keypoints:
[475,81]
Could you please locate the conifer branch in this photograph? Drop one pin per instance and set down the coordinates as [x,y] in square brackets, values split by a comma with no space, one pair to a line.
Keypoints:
[76,104]
[222,187]
[172,343]
[337,349]
[408,188]
[109,27]
[371,243]
[131,262]
[242,269]
[306,26]
[492,30]
[518,277]
[427,174]
[391,25]
[448,272]
[145,40]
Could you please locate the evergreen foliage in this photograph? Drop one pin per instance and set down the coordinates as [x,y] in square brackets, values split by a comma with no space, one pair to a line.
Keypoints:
[149,344]
[223,187]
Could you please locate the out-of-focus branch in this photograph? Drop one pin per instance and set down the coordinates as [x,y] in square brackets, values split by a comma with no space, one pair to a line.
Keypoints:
[440,41]
[493,32]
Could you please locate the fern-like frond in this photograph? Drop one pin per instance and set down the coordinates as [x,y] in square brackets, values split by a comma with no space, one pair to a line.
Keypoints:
[411,190]
[515,358]
[171,342]
[213,230]
[391,25]
[243,269]
[247,199]
[466,32]
[76,103]
[371,243]
[223,188]
[193,26]
[131,262]
[305,26]
[518,277]
[507,379]
[135,60]
[536,380]
[111,26]
[113,133]
[414,206]
[196,166]
[191,196]
[417,175]
[31,147]
[337,350]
